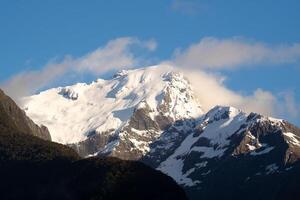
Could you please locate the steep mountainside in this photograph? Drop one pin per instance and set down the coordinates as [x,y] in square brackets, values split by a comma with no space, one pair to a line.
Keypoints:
[12,117]
[33,168]
[231,152]
[152,115]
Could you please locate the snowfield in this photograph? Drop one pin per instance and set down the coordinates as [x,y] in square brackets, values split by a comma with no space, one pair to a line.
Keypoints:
[72,112]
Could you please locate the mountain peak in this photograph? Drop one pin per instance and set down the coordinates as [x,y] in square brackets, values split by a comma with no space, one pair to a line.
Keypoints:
[108,104]
[120,73]
[223,112]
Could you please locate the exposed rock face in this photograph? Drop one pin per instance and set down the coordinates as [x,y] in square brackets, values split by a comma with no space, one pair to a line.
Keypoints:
[141,119]
[68,93]
[94,142]
[11,116]
[147,123]
[227,142]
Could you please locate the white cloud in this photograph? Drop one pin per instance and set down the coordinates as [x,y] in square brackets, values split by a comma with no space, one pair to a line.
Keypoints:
[211,90]
[151,44]
[188,7]
[213,53]
[114,55]
[289,106]
[25,83]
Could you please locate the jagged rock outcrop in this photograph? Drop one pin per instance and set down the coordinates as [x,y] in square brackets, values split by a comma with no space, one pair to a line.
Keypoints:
[232,147]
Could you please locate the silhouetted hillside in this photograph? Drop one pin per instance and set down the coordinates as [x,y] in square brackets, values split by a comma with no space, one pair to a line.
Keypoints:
[13,118]
[94,178]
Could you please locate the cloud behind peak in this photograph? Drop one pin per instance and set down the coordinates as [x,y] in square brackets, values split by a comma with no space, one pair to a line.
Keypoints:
[213,53]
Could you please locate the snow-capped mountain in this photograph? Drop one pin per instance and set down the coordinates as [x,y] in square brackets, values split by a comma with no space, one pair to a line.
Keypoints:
[151,114]
[226,153]
[226,132]
[126,113]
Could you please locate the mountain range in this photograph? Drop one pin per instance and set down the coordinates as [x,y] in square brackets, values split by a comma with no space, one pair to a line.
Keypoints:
[152,115]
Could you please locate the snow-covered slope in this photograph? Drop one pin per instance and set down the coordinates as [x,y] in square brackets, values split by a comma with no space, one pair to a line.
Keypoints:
[266,145]
[73,113]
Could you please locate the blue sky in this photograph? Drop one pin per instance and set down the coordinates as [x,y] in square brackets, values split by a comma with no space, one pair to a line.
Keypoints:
[34,32]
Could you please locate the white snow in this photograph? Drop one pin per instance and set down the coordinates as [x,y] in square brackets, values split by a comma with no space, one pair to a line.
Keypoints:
[251,147]
[72,112]
[292,138]
[217,131]
[264,151]
[255,144]
[221,129]
[275,120]
[175,171]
